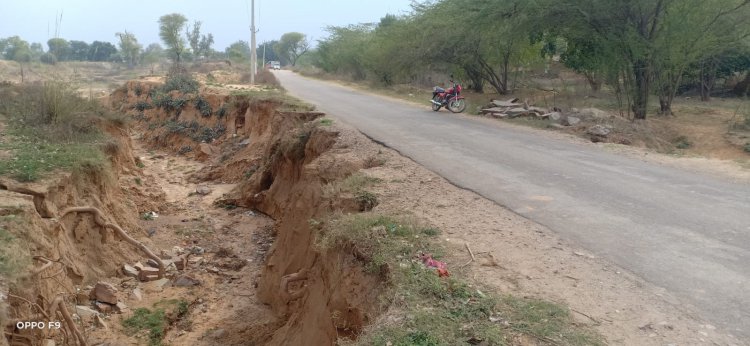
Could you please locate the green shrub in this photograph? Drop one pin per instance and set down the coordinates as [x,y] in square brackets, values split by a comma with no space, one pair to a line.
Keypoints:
[183,82]
[142,106]
[203,106]
[48,58]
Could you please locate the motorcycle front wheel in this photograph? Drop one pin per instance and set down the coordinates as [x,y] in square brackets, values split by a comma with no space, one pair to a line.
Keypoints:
[436,106]
[457,106]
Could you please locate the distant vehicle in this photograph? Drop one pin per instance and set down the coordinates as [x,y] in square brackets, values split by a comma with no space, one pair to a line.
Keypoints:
[275,65]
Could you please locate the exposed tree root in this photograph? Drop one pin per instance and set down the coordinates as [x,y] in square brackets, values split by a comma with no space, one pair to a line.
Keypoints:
[287,279]
[99,219]
[58,305]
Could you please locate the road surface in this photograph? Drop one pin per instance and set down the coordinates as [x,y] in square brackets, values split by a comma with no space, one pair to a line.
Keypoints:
[685,232]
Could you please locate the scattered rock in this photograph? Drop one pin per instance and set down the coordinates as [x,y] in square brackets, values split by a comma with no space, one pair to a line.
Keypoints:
[150,232]
[48,342]
[207,149]
[100,322]
[85,311]
[185,281]
[148,274]
[218,334]
[103,307]
[197,250]
[245,141]
[195,260]
[165,255]
[151,263]
[136,294]
[570,121]
[104,292]
[203,190]
[120,307]
[82,297]
[129,271]
[593,113]
[157,285]
[598,130]
[139,266]
[177,250]
[555,116]
[181,263]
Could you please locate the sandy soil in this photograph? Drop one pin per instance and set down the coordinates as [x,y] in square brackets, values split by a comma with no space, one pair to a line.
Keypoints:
[219,305]
[514,256]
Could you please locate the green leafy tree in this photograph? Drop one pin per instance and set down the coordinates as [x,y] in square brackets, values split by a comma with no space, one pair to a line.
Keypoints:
[79,50]
[18,50]
[60,48]
[267,49]
[171,27]
[238,51]
[101,51]
[649,43]
[130,49]
[291,46]
[199,44]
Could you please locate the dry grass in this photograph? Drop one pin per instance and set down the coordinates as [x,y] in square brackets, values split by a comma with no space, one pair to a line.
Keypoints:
[425,309]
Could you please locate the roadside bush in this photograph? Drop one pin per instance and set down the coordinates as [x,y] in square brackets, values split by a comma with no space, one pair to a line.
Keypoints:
[48,58]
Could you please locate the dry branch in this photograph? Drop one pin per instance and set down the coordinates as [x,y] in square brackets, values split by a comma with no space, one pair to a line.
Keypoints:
[99,219]
[58,305]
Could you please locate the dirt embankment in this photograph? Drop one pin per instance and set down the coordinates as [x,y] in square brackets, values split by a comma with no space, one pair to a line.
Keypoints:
[282,159]
[56,251]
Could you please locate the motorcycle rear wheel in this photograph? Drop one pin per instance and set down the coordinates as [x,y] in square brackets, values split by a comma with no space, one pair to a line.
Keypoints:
[457,106]
[436,107]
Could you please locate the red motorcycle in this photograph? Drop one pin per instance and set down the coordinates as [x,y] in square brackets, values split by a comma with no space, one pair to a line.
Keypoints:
[451,99]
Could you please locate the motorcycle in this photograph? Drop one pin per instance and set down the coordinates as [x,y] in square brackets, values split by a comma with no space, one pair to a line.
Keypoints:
[451,99]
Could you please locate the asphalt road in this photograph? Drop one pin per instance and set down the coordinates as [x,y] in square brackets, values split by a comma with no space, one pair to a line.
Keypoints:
[685,232]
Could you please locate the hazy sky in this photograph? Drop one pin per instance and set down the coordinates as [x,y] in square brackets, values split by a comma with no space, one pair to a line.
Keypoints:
[227,20]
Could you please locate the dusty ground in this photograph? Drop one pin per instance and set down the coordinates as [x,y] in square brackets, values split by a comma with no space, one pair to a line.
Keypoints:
[533,261]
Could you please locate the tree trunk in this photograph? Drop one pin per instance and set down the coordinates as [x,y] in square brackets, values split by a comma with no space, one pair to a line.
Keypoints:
[742,88]
[22,76]
[594,82]
[477,83]
[640,94]
[707,79]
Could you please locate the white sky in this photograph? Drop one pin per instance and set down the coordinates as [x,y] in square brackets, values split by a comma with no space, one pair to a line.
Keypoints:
[227,20]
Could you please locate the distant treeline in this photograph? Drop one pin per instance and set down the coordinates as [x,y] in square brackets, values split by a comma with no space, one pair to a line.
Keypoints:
[637,48]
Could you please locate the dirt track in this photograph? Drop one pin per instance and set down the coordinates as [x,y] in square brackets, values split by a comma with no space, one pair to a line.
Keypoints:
[684,233]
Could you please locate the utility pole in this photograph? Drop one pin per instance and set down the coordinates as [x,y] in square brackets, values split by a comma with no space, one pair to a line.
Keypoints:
[253,54]
[265,43]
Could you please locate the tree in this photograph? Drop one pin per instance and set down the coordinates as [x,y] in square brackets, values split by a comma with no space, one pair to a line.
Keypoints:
[130,49]
[170,30]
[79,50]
[101,51]
[645,45]
[18,50]
[60,48]
[200,44]
[291,46]
[267,48]
[238,51]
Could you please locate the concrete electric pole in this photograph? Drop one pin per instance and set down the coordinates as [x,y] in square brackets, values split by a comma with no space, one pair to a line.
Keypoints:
[253,55]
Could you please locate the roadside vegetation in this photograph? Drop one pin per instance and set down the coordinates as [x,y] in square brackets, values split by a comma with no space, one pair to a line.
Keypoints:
[635,60]
[423,308]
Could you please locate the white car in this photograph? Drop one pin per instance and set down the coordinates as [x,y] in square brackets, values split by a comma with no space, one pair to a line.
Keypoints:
[276,65]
